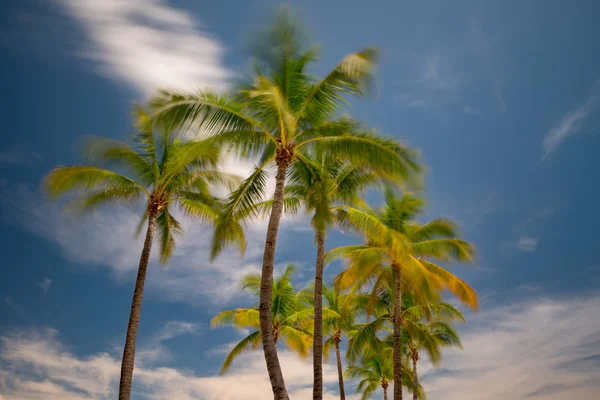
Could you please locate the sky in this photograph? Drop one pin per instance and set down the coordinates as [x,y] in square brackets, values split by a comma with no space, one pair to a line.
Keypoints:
[501,98]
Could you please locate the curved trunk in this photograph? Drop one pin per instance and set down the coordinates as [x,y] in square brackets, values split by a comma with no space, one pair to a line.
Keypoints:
[134,316]
[415,379]
[397,333]
[266,288]
[318,319]
[340,370]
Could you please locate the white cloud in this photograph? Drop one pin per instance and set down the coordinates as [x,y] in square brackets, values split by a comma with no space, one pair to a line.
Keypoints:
[149,44]
[45,285]
[568,125]
[106,238]
[526,243]
[542,349]
[539,349]
[36,365]
[437,74]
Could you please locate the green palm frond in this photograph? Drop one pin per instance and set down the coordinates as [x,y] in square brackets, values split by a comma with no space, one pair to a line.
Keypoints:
[298,340]
[250,342]
[350,76]
[168,229]
[62,180]
[445,249]
[239,207]
[202,111]
[120,154]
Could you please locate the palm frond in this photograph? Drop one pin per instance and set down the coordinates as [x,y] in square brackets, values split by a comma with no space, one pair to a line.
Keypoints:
[168,228]
[62,180]
[203,111]
[250,342]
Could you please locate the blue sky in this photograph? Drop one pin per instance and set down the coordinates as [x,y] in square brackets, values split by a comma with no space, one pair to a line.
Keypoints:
[502,99]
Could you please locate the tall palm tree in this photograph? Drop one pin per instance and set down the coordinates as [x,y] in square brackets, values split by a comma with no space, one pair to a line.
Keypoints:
[291,318]
[399,246]
[431,337]
[166,172]
[339,324]
[281,114]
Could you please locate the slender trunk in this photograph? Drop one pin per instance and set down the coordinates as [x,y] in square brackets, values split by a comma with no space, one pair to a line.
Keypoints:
[385,392]
[266,288]
[134,316]
[415,378]
[318,319]
[340,370]
[397,333]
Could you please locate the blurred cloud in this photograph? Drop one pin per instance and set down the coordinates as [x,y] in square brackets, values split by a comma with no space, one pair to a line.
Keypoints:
[37,365]
[149,44]
[526,243]
[569,125]
[45,285]
[21,312]
[106,238]
[20,158]
[538,349]
[510,352]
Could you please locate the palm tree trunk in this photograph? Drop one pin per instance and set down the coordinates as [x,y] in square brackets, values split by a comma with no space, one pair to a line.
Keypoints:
[318,319]
[385,393]
[134,316]
[266,288]
[415,380]
[397,333]
[340,370]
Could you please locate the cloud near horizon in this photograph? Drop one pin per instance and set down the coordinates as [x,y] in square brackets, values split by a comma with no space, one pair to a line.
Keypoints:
[539,349]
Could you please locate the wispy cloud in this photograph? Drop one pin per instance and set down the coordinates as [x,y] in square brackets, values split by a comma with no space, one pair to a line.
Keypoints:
[21,312]
[106,238]
[154,350]
[19,158]
[149,44]
[527,244]
[437,73]
[45,285]
[569,125]
[540,349]
[36,365]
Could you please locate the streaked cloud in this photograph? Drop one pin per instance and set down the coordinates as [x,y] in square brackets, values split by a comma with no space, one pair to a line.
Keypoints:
[569,125]
[538,349]
[37,365]
[527,243]
[149,44]
[21,312]
[19,158]
[106,238]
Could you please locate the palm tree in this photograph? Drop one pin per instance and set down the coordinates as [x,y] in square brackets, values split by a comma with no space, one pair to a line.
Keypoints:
[344,306]
[376,370]
[166,172]
[281,115]
[397,248]
[431,337]
[290,315]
